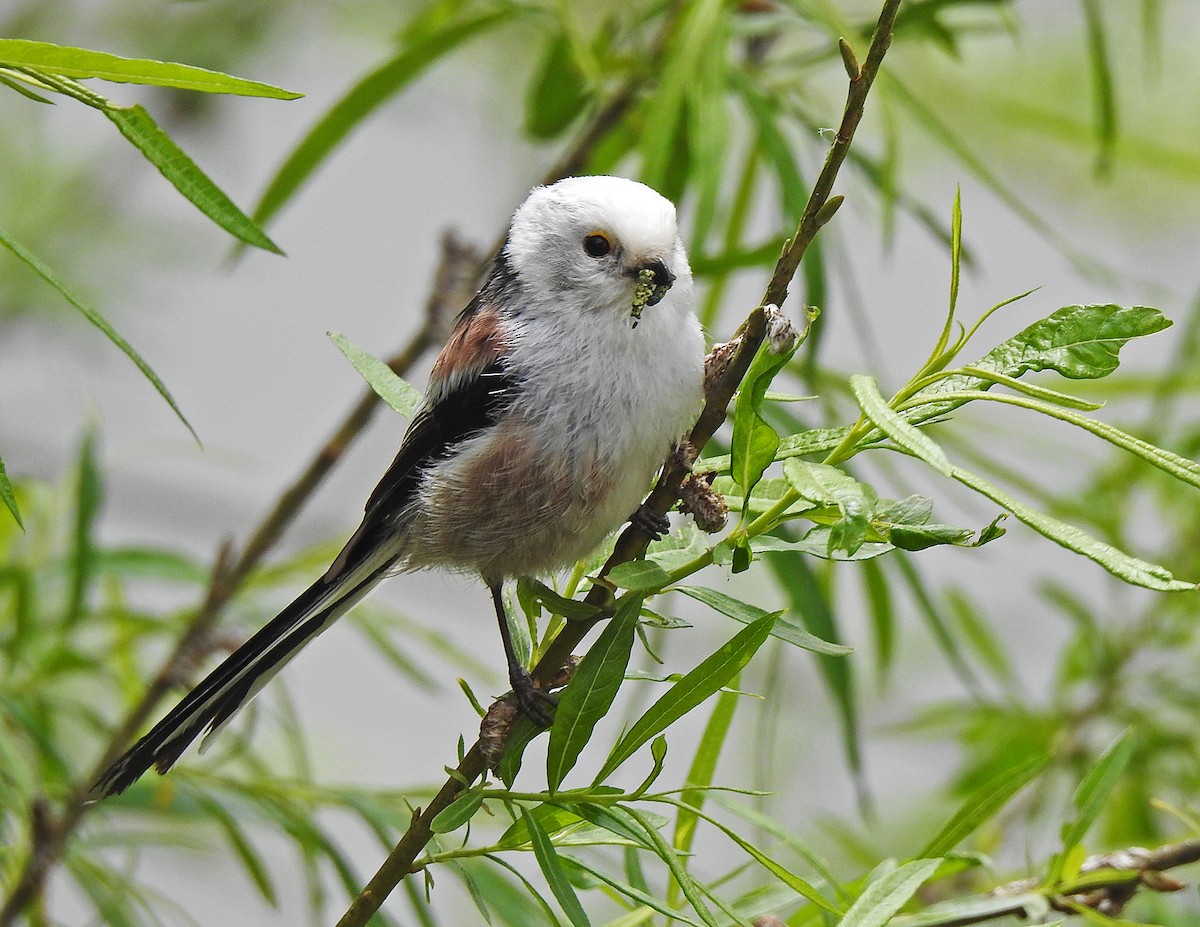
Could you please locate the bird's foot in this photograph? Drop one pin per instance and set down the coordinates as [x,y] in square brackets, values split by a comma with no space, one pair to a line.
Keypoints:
[653,523]
[535,703]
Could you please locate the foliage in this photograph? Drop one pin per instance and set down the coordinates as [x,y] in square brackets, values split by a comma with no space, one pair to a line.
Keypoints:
[712,103]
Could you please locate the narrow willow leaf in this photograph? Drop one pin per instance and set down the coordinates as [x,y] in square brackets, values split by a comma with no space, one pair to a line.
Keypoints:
[1103,96]
[1181,468]
[558,94]
[393,389]
[639,576]
[698,28]
[884,897]
[982,805]
[1120,564]
[160,150]
[591,691]
[553,820]
[704,766]
[895,426]
[883,619]
[542,595]
[88,495]
[1054,396]
[512,904]
[9,80]
[8,496]
[458,812]
[556,876]
[634,893]
[239,842]
[82,62]
[696,686]
[682,877]
[1027,906]
[97,320]
[809,600]
[1096,787]
[747,613]
[793,881]
[359,102]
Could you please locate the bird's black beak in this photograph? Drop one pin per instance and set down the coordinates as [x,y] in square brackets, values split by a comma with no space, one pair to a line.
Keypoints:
[653,281]
[662,278]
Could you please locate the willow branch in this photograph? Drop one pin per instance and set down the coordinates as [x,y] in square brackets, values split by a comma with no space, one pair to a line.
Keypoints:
[1106,883]
[633,542]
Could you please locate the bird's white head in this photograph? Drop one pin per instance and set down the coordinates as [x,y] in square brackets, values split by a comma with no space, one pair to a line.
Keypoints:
[600,244]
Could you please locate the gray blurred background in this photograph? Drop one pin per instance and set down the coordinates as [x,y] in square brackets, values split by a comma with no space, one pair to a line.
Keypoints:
[243,346]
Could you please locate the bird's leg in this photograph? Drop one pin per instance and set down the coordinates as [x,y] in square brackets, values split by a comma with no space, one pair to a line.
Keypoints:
[536,704]
[653,523]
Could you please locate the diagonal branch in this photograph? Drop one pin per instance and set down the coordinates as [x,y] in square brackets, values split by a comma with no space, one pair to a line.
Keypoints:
[633,541]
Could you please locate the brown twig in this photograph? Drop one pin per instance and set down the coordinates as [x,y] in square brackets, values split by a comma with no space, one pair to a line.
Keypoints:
[1106,883]
[633,541]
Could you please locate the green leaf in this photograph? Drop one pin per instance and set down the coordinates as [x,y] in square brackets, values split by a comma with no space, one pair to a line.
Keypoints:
[789,878]
[1078,342]
[704,766]
[754,441]
[895,426]
[1096,786]
[830,486]
[589,695]
[1122,565]
[634,893]
[696,686]
[884,897]
[88,496]
[393,389]
[160,150]
[639,576]
[97,320]
[823,541]
[458,812]
[558,94]
[542,595]
[808,599]
[747,614]
[1103,94]
[983,804]
[82,62]
[8,497]
[360,101]
[668,855]
[814,441]
[239,842]
[552,869]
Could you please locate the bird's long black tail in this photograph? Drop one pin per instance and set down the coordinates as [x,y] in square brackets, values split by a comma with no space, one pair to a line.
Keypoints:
[232,684]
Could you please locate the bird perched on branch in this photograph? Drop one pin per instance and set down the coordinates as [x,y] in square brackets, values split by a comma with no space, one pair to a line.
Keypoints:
[564,385]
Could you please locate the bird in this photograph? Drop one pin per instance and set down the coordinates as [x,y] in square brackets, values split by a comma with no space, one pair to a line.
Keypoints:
[563,386]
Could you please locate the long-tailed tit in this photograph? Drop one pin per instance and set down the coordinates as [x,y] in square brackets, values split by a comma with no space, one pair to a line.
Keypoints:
[548,411]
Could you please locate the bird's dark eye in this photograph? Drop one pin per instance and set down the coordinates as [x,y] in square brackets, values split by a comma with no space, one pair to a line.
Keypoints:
[597,245]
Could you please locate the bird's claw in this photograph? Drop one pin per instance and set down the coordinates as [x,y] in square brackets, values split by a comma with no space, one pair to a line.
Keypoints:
[535,703]
[653,523]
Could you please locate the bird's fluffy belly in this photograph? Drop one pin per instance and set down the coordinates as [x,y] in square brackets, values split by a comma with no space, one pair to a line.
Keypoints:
[503,507]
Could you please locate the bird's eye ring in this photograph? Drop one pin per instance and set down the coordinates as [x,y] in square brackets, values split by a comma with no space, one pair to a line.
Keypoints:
[597,245]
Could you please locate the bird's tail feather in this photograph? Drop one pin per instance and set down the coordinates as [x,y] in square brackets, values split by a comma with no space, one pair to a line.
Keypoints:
[237,680]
